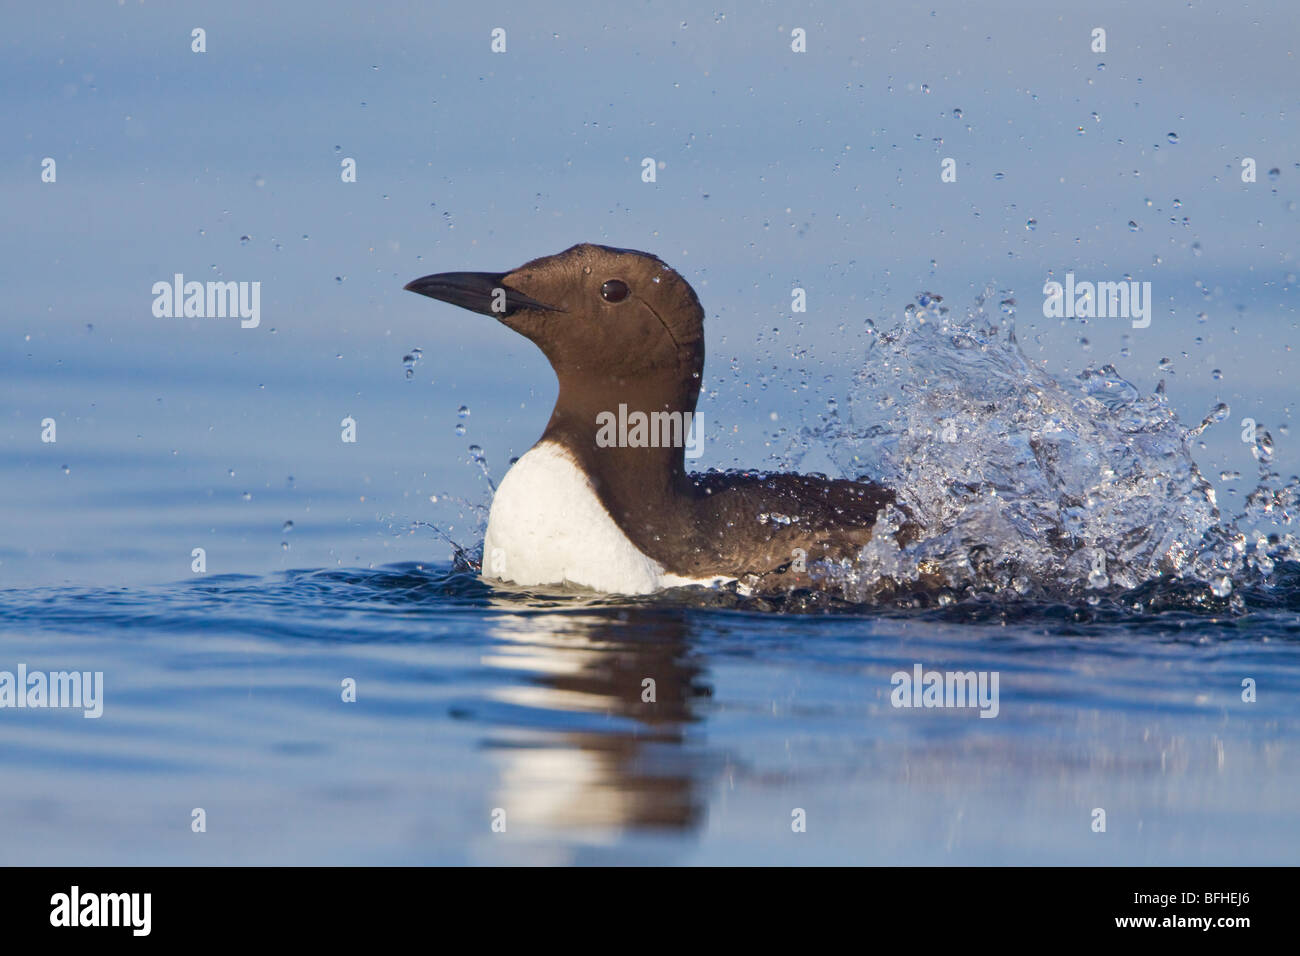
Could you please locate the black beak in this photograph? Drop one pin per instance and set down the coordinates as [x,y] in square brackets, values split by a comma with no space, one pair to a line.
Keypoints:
[482,292]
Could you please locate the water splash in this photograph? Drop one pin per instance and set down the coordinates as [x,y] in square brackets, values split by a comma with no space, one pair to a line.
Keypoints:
[1016,483]
[410,360]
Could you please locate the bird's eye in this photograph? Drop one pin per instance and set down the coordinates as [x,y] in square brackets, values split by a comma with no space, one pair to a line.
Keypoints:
[614,290]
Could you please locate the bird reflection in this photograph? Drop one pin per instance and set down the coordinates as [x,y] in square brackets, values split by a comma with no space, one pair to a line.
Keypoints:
[595,728]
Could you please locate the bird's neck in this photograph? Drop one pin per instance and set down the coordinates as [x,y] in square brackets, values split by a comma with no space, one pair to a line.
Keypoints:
[630,437]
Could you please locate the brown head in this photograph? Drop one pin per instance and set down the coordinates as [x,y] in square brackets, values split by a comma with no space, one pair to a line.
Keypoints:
[617,325]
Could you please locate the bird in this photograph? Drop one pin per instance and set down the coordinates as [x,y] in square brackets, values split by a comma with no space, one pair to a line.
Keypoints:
[603,500]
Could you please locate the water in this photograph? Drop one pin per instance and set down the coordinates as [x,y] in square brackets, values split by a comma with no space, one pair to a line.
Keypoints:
[226,695]
[1020,483]
[1122,686]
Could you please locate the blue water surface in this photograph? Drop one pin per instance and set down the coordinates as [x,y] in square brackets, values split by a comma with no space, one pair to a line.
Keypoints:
[470,701]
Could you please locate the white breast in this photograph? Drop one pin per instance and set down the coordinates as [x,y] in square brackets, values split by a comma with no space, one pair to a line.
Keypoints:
[547,526]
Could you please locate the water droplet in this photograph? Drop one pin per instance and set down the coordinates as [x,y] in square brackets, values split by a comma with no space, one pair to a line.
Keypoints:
[1274,173]
[1173,138]
[1031,224]
[67,470]
[460,429]
[957,113]
[1263,450]
[999,176]
[1221,586]
[1217,374]
[410,360]
[288,526]
[1132,226]
[244,240]
[463,411]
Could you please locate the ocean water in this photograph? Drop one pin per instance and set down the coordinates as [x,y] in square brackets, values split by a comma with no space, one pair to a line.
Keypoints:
[291,631]
[477,705]
[470,701]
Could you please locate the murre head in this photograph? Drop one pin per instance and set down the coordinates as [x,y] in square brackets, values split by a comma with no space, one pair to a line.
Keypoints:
[609,320]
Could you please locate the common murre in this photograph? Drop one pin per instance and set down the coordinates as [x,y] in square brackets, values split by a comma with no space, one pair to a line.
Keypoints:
[623,331]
